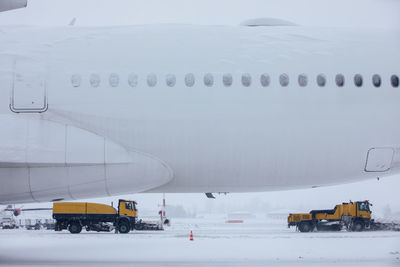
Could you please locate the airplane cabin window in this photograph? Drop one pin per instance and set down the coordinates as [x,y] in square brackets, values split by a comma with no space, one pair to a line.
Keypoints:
[284,80]
[227,79]
[265,80]
[376,80]
[114,80]
[358,80]
[208,80]
[76,80]
[321,80]
[151,80]
[94,80]
[339,80]
[133,80]
[189,79]
[303,80]
[394,80]
[170,80]
[246,79]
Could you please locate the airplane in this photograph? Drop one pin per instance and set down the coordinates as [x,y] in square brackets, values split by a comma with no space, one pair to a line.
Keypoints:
[266,105]
[17,211]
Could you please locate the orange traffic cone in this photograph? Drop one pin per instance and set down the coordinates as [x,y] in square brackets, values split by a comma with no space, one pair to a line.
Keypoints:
[191,236]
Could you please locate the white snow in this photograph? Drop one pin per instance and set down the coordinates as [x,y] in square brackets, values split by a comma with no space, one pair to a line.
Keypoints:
[256,242]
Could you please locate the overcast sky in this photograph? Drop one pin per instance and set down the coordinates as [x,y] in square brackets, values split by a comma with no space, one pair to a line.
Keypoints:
[360,13]
[365,13]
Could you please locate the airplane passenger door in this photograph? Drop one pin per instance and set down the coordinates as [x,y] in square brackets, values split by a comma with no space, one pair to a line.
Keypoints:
[29,87]
[379,159]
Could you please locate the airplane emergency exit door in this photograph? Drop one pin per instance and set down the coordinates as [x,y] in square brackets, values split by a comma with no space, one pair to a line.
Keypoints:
[29,87]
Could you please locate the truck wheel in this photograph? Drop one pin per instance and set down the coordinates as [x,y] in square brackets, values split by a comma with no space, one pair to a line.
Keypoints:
[57,227]
[358,226]
[305,227]
[123,228]
[75,228]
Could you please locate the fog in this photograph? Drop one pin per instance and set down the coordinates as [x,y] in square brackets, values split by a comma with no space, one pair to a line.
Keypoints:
[382,193]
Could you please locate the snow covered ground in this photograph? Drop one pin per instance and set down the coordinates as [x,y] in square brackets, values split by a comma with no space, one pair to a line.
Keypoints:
[262,240]
[256,242]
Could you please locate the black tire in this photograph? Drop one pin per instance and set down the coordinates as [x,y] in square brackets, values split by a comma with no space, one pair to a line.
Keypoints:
[123,228]
[57,227]
[305,227]
[358,226]
[75,228]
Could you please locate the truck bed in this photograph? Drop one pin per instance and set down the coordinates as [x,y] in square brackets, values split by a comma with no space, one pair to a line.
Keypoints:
[84,211]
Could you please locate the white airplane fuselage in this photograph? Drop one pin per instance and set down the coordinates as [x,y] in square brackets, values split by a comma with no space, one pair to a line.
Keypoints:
[90,112]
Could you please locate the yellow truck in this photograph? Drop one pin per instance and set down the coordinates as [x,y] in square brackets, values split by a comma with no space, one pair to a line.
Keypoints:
[95,217]
[355,216]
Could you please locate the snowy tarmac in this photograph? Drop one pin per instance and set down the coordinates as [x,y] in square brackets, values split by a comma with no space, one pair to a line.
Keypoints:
[256,242]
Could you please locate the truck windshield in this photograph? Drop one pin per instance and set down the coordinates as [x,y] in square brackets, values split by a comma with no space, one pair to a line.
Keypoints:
[364,206]
[128,206]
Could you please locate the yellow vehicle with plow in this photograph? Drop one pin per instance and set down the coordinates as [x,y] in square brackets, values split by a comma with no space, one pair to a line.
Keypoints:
[354,216]
[74,216]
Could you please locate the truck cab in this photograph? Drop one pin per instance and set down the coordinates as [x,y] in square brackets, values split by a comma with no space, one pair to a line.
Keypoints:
[363,210]
[127,214]
[127,208]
